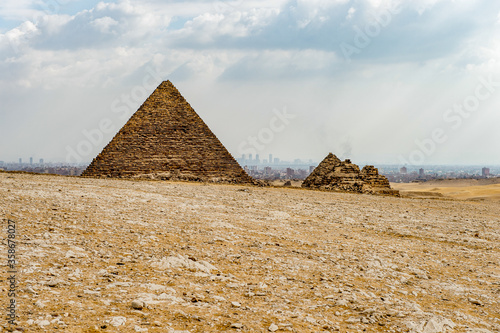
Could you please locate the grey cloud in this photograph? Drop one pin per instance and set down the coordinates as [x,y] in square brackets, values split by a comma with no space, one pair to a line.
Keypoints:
[104,26]
[410,36]
[284,65]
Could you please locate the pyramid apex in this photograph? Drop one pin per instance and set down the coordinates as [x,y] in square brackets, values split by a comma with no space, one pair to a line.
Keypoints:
[168,85]
[166,82]
[332,156]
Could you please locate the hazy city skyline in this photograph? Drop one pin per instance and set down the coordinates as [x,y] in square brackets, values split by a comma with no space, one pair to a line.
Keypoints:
[389,82]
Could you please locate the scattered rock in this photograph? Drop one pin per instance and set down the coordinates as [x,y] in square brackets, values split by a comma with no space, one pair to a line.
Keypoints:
[273,328]
[237,325]
[342,302]
[138,304]
[30,290]
[40,304]
[476,301]
[53,283]
[435,324]
[181,261]
[353,320]
[117,321]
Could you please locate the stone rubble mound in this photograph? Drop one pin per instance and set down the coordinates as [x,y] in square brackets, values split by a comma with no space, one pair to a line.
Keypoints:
[334,175]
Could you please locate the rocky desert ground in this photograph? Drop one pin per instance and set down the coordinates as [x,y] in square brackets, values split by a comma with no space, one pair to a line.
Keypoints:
[97,255]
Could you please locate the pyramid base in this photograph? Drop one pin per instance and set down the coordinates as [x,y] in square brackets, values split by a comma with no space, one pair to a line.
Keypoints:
[176,176]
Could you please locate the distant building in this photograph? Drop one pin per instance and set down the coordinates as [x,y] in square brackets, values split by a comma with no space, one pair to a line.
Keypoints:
[243,157]
[1,163]
[250,158]
[31,160]
[290,173]
[20,161]
[421,172]
[486,172]
[302,174]
[403,170]
[276,161]
[41,161]
[268,170]
[270,158]
[257,159]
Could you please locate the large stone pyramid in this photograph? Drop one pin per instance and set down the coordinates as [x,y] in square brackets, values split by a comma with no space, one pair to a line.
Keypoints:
[166,139]
[333,174]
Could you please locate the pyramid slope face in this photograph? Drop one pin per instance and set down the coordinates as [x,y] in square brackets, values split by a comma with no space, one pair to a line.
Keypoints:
[166,139]
[333,174]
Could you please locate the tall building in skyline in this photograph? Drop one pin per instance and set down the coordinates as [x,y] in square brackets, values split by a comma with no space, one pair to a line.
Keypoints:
[270,158]
[403,170]
[421,172]
[31,160]
[41,161]
[20,161]
[486,172]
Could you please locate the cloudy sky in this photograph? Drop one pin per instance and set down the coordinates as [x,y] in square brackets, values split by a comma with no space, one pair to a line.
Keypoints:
[377,81]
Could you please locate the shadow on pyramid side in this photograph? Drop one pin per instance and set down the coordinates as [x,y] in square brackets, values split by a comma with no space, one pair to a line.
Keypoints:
[334,175]
[167,140]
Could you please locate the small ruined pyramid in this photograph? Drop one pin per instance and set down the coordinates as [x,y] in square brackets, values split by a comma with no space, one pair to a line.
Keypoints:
[335,175]
[166,139]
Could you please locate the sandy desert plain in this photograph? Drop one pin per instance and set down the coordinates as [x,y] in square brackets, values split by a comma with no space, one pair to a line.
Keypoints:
[99,255]
[461,189]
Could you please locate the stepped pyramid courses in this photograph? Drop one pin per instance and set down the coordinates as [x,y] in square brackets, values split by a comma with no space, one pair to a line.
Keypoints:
[166,139]
[333,174]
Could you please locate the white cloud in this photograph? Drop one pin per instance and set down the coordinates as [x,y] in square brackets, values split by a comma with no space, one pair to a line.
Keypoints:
[350,13]
[208,27]
[18,39]
[104,24]
[17,10]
